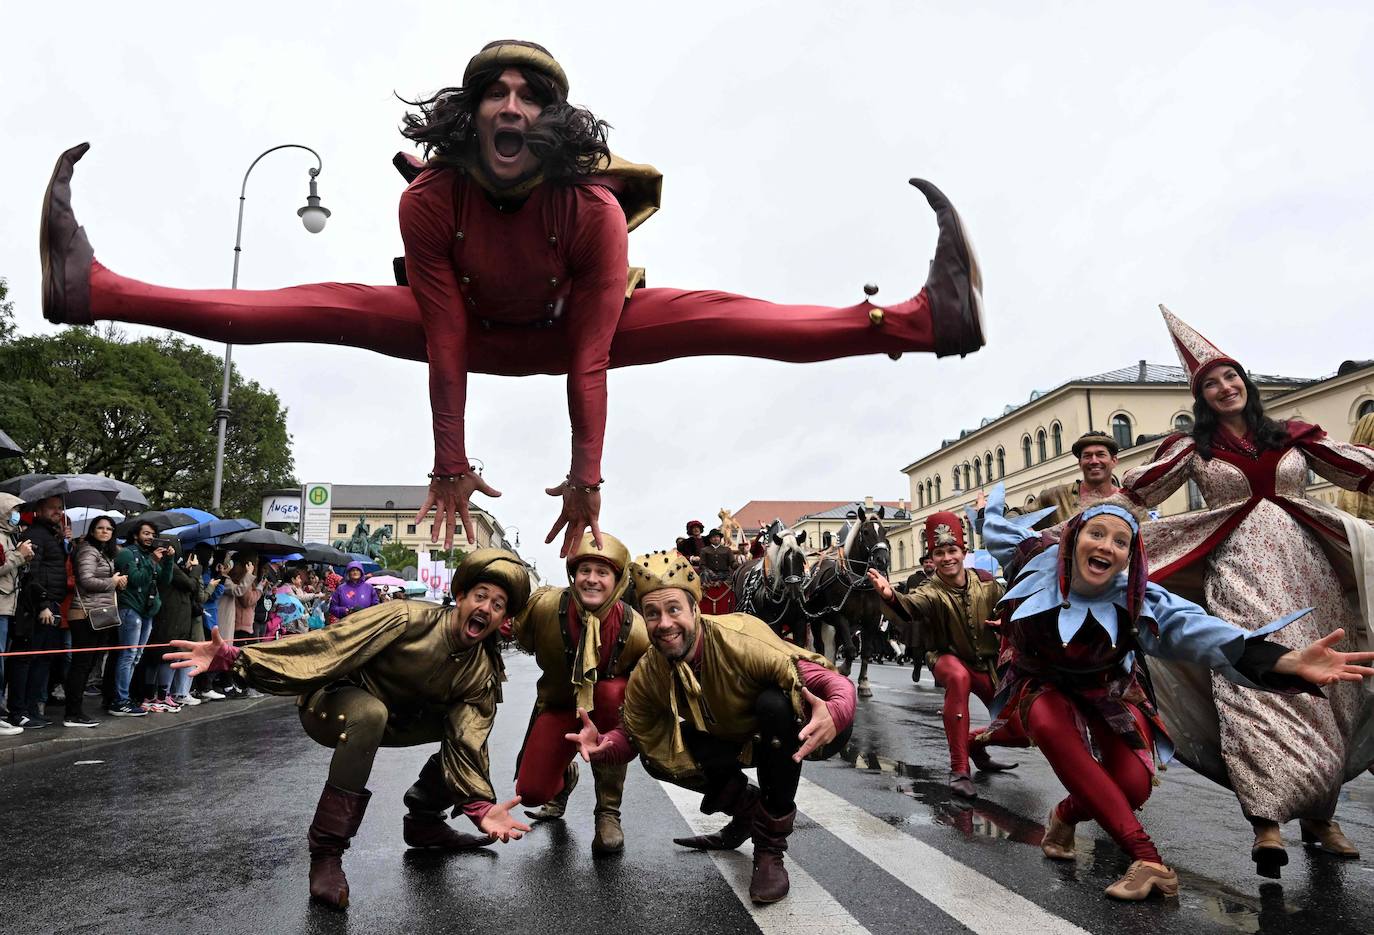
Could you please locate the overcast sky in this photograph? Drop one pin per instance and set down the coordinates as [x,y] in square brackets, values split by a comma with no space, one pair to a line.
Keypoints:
[1105,157]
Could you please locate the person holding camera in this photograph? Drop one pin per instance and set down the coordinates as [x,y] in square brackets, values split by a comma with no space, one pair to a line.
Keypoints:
[177,619]
[14,556]
[145,562]
[94,616]
[37,624]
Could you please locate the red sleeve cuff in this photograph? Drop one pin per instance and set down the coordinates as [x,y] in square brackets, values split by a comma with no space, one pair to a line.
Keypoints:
[224,659]
[620,750]
[476,811]
[834,689]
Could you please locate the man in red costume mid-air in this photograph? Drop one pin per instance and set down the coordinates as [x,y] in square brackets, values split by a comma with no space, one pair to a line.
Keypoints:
[515,234]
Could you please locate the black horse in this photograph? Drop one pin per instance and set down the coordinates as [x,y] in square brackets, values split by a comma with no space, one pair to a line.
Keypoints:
[771,588]
[840,594]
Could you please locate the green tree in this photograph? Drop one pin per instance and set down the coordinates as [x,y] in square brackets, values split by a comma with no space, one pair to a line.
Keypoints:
[396,556]
[142,411]
[6,311]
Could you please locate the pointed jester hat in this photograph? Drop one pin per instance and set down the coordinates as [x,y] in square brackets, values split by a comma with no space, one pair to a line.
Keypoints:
[1196,353]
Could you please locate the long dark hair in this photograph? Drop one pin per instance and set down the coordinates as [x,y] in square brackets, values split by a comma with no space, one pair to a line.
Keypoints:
[1266,433]
[568,141]
[110,548]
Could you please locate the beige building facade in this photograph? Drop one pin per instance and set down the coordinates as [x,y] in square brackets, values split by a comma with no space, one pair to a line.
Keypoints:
[1027,447]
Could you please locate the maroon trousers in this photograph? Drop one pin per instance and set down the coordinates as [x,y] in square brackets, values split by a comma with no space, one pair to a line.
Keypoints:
[1106,791]
[547,752]
[960,681]
[656,324]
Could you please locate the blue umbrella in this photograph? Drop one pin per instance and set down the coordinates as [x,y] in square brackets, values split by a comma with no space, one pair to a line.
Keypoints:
[200,516]
[368,562]
[208,532]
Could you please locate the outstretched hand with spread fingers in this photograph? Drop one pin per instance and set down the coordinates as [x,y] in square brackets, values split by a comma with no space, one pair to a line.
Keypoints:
[501,824]
[448,498]
[195,655]
[881,584]
[581,511]
[819,729]
[1321,664]
[589,741]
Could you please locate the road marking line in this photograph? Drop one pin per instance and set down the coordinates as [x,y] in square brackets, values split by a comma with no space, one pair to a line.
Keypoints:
[978,902]
[809,907]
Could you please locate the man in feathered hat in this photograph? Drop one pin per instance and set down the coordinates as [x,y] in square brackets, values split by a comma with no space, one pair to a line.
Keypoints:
[951,611]
[516,239]
[717,695]
[586,640]
[1096,452]
[399,674]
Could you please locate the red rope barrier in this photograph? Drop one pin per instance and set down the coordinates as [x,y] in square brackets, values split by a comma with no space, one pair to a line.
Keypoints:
[103,649]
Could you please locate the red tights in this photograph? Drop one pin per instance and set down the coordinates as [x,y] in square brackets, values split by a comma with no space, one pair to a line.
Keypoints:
[1107,792]
[547,753]
[656,324]
[960,681]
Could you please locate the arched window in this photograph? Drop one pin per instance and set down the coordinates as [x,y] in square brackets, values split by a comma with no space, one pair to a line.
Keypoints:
[1025,450]
[967,477]
[957,478]
[1195,501]
[1040,444]
[1001,462]
[920,495]
[1121,430]
[977,473]
[1057,434]
[901,553]
[929,496]
[1366,408]
[938,494]
[1183,422]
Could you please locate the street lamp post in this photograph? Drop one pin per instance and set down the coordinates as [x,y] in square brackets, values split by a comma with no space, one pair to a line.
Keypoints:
[313,217]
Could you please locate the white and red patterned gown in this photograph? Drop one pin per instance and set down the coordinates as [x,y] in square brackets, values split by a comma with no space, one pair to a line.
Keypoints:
[1261,549]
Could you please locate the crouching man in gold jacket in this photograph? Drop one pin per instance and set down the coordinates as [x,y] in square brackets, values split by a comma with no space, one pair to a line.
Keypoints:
[719,694]
[399,674]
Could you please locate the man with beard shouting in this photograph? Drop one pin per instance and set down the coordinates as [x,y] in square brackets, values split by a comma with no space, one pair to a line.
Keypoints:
[720,694]
[400,674]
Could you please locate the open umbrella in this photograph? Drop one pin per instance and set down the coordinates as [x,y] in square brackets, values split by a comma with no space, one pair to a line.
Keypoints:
[81,517]
[264,541]
[197,515]
[162,520]
[77,490]
[318,552]
[387,580]
[209,532]
[8,449]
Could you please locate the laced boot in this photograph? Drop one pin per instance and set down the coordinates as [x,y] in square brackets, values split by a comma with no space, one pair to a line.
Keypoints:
[64,251]
[1142,878]
[954,287]
[337,817]
[740,800]
[769,882]
[557,806]
[610,786]
[978,753]
[424,824]
[1268,852]
[1327,838]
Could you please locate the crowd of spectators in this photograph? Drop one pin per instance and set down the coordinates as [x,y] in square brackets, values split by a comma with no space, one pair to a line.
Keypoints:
[84,621]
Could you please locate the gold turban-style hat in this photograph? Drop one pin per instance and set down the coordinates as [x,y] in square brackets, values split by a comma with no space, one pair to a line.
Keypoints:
[498,567]
[664,569]
[613,552]
[517,53]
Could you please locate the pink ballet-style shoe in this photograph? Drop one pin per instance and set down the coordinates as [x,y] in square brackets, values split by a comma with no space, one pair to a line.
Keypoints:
[955,284]
[65,252]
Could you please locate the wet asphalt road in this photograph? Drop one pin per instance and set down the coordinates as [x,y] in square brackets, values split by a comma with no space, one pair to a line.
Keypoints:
[202,829]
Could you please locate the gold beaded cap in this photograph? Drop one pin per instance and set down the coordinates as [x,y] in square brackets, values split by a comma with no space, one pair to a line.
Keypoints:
[664,569]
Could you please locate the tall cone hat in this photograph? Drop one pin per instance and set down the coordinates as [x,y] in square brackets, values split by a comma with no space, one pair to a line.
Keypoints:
[1196,353]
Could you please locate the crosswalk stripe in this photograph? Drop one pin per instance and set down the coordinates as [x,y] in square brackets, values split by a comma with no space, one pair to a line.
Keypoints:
[808,908]
[978,902]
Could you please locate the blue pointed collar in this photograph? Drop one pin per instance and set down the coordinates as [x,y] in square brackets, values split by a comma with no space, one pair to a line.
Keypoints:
[1038,591]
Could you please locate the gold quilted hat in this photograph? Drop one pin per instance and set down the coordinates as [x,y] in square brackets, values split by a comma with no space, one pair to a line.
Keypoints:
[664,569]
[517,53]
[612,552]
[499,567]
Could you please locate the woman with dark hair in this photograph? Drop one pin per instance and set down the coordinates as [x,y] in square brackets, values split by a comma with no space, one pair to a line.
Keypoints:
[1262,549]
[98,584]
[516,261]
[235,612]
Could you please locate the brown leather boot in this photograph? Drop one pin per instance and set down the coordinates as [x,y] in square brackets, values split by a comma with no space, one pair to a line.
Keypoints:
[426,802]
[609,779]
[1057,844]
[1268,852]
[978,753]
[955,284]
[736,831]
[63,249]
[1327,838]
[769,882]
[557,806]
[337,817]
[1142,878]
[961,784]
